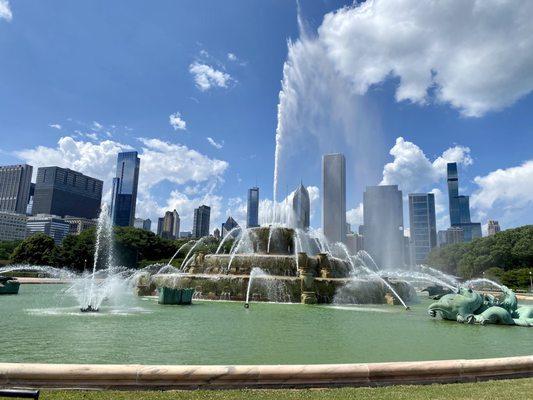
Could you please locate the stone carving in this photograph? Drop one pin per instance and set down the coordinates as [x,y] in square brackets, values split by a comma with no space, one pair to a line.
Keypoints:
[469,306]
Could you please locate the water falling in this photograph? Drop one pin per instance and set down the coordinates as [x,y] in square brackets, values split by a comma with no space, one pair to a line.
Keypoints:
[177,252]
[229,235]
[103,233]
[474,282]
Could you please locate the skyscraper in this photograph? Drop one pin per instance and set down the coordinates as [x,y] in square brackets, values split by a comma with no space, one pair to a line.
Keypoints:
[383,225]
[62,192]
[422,224]
[493,227]
[124,195]
[171,225]
[334,197]
[252,212]
[228,226]
[15,183]
[201,221]
[301,207]
[460,207]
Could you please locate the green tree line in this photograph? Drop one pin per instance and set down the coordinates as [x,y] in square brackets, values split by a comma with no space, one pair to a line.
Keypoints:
[132,248]
[506,256]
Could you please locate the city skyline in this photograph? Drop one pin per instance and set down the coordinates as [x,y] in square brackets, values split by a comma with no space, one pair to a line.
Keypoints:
[388,134]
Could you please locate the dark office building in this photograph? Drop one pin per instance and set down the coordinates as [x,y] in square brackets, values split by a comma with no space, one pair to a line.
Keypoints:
[200,227]
[460,207]
[62,191]
[15,182]
[124,195]
[252,213]
[422,225]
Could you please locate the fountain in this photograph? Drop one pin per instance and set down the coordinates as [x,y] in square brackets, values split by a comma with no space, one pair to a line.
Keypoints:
[297,263]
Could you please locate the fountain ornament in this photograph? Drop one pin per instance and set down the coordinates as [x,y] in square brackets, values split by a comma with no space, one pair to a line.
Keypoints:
[470,307]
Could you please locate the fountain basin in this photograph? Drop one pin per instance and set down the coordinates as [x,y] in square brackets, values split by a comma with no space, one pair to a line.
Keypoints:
[168,295]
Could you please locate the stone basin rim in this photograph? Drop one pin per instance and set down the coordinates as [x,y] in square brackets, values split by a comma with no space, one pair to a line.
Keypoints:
[139,376]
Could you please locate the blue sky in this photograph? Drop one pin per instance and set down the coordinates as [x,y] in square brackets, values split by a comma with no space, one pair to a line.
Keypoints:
[82,80]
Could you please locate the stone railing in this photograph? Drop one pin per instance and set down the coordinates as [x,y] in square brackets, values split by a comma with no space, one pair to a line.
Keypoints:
[260,376]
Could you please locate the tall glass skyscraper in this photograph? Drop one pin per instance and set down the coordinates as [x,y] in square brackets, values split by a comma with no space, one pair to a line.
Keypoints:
[202,215]
[125,183]
[422,224]
[334,197]
[252,212]
[383,225]
[460,207]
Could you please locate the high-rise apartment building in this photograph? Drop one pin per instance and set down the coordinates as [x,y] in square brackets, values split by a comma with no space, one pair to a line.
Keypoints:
[15,181]
[125,183]
[383,225]
[301,208]
[171,225]
[422,225]
[493,227]
[334,197]
[202,215]
[252,211]
[62,191]
[460,207]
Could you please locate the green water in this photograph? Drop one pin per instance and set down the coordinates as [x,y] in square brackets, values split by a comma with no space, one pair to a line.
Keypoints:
[40,325]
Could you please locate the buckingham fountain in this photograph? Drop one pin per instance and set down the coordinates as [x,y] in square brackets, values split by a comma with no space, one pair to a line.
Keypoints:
[280,264]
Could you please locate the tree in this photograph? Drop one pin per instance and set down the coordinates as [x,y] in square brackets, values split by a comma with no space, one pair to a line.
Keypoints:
[7,247]
[506,251]
[77,251]
[38,249]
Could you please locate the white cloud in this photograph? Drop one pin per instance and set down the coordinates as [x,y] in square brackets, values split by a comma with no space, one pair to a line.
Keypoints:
[94,159]
[215,144]
[505,190]
[412,171]
[177,122]
[5,10]
[354,216]
[207,77]
[477,55]
[176,163]
[97,126]
[55,126]
[232,57]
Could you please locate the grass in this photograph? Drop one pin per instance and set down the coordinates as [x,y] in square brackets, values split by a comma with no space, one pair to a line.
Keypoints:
[516,389]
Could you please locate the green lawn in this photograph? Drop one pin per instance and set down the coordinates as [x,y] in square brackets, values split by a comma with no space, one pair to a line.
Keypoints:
[516,389]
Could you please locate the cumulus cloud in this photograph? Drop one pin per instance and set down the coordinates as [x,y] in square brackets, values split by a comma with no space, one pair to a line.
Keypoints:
[55,126]
[5,10]
[232,57]
[94,159]
[354,216]
[412,171]
[177,122]
[507,190]
[476,55]
[207,77]
[215,144]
